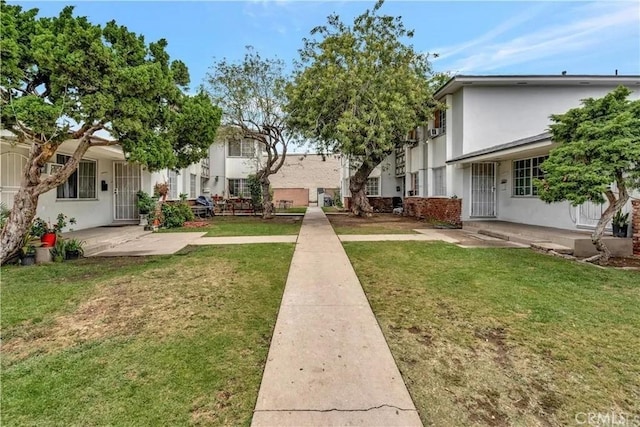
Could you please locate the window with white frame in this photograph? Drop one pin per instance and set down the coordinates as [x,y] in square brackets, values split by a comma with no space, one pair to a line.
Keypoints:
[173,184]
[439,181]
[440,120]
[82,182]
[524,172]
[192,185]
[373,186]
[414,183]
[239,188]
[242,148]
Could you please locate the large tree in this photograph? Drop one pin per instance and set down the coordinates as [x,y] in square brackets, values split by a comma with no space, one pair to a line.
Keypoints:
[251,94]
[65,79]
[359,89]
[599,147]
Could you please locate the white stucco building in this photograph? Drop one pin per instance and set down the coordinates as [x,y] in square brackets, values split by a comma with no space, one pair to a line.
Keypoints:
[102,191]
[486,146]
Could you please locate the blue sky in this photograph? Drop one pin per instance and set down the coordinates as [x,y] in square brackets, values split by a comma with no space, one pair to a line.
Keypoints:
[471,37]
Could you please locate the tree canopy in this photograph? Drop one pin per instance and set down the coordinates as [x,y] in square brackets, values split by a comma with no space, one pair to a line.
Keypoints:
[63,78]
[359,89]
[251,94]
[598,158]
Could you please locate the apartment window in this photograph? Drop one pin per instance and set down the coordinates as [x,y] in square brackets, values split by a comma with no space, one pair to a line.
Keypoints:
[414,184]
[400,161]
[192,185]
[373,186]
[242,148]
[82,182]
[239,188]
[439,182]
[440,120]
[524,172]
[205,169]
[173,184]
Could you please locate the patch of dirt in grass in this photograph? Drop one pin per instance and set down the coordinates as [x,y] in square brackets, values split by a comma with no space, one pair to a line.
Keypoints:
[101,265]
[196,224]
[495,336]
[157,302]
[389,222]
[625,262]
[470,374]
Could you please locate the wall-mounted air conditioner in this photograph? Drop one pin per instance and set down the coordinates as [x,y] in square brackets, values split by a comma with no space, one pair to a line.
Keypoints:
[433,132]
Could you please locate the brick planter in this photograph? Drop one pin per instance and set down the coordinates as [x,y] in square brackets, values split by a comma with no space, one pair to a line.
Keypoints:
[635,226]
[435,209]
[379,204]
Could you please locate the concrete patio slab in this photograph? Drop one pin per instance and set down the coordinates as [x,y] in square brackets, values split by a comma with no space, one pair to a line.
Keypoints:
[329,363]
[153,244]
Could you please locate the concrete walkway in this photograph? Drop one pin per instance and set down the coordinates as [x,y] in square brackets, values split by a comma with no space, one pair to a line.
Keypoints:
[329,363]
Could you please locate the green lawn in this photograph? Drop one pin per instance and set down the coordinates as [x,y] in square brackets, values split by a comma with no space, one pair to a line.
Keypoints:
[505,336]
[173,340]
[247,226]
[295,210]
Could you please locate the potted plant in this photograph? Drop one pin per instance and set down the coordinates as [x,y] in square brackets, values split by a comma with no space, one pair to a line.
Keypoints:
[620,223]
[145,204]
[73,248]
[58,251]
[47,232]
[28,251]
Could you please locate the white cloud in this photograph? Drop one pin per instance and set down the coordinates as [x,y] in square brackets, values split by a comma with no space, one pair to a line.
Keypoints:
[594,27]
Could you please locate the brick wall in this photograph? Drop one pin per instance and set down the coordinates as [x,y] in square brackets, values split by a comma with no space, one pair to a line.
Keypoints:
[299,196]
[635,226]
[435,208]
[379,204]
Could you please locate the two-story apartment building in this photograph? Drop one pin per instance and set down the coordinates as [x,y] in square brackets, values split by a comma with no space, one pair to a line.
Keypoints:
[486,147]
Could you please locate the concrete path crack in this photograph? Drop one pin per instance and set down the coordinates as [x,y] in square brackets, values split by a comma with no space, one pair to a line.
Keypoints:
[338,410]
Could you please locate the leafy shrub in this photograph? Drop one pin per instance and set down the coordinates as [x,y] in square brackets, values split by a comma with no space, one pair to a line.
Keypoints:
[337,199]
[4,214]
[255,189]
[146,203]
[40,226]
[176,214]
[59,250]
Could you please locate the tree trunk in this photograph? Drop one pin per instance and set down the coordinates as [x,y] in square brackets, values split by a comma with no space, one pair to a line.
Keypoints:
[267,204]
[32,186]
[358,187]
[604,253]
[24,208]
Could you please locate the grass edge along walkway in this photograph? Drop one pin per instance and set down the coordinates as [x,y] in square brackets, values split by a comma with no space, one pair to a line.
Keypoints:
[328,362]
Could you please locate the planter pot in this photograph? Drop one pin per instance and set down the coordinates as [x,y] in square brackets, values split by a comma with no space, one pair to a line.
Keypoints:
[43,255]
[144,219]
[72,255]
[620,231]
[48,239]
[28,259]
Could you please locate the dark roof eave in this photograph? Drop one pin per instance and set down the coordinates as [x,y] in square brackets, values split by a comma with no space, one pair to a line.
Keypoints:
[454,83]
[523,142]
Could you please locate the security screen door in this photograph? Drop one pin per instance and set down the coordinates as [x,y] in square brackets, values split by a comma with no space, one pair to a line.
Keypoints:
[483,190]
[127,182]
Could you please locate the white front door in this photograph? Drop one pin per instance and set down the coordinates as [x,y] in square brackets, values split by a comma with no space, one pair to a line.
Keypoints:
[483,190]
[127,183]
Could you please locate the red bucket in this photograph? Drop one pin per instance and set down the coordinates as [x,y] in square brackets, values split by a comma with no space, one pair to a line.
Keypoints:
[48,240]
